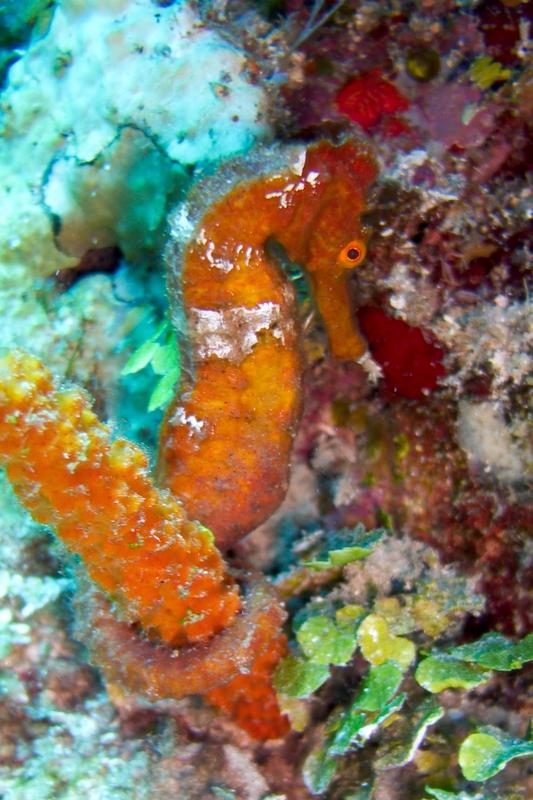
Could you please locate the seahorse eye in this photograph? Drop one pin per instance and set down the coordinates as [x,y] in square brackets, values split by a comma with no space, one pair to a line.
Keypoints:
[352,254]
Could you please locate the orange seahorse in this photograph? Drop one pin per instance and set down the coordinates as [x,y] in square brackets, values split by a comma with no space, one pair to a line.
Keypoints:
[225,443]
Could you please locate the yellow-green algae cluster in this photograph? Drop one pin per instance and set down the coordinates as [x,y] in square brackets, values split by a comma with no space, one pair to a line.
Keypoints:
[402,638]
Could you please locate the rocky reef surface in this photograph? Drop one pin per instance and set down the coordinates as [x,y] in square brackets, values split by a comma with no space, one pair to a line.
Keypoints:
[405,532]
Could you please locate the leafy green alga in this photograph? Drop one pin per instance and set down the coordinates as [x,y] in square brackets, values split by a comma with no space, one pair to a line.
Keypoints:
[362,544]
[349,617]
[325,643]
[400,752]
[298,677]
[487,751]
[484,72]
[346,728]
[162,353]
[379,645]
[442,794]
[379,685]
[468,666]
[349,728]
[318,771]
[441,671]
[354,727]
[495,651]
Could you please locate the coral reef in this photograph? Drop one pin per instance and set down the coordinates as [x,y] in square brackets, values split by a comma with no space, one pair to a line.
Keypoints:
[405,530]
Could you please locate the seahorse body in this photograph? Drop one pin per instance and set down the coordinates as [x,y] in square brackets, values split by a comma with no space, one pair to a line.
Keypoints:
[225,444]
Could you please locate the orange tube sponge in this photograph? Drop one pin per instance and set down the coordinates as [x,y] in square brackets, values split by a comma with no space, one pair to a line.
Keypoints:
[225,444]
[136,541]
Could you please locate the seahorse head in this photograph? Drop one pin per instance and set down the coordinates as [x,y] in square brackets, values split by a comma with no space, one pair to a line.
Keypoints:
[337,240]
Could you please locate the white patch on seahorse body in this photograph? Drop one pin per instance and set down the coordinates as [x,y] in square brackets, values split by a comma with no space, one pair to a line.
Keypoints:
[233,332]
[218,263]
[248,255]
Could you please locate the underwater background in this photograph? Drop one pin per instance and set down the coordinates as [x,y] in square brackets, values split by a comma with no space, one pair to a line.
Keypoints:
[402,548]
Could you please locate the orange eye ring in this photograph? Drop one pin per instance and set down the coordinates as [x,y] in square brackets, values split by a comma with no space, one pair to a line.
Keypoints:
[352,254]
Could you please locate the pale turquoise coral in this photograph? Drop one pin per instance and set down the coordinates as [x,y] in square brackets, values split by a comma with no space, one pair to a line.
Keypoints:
[102,68]
[102,119]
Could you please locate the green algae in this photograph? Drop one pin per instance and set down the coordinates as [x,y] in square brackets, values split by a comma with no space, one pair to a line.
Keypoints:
[378,645]
[299,677]
[441,671]
[319,770]
[485,72]
[353,727]
[378,687]
[495,651]
[400,751]
[487,751]
[325,643]
[442,794]
[162,353]
[360,544]
[467,666]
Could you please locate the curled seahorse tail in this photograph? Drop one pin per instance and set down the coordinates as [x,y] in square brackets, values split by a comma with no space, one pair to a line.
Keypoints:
[233,670]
